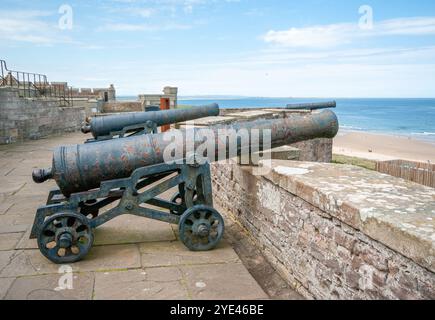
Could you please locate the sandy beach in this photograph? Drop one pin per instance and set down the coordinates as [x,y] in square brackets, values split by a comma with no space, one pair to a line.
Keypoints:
[383,147]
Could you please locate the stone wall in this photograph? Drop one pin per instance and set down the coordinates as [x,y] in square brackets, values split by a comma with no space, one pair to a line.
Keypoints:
[317,236]
[91,106]
[124,106]
[34,118]
[317,150]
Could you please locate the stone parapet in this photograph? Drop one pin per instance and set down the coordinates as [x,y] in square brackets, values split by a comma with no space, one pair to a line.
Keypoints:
[334,231]
[122,106]
[34,118]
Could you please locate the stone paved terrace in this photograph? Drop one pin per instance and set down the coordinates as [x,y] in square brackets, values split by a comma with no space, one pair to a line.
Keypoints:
[132,257]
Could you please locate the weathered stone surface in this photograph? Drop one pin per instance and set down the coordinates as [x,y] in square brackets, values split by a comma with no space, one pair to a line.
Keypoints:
[5,284]
[281,153]
[315,248]
[27,243]
[47,287]
[221,281]
[208,121]
[34,118]
[5,258]
[10,220]
[32,262]
[10,187]
[133,229]
[315,150]
[161,254]
[8,241]
[140,284]
[13,228]
[5,206]
[253,114]
[398,213]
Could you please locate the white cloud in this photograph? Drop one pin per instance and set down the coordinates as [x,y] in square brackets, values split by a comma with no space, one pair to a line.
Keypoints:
[324,36]
[30,26]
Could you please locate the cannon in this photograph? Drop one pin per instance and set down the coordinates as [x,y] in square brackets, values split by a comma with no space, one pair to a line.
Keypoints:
[130,174]
[136,123]
[312,106]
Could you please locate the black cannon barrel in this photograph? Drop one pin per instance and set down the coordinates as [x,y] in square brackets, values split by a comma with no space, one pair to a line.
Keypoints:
[103,126]
[83,167]
[312,106]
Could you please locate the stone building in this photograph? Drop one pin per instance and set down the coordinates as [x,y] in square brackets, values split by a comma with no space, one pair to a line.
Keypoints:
[154,99]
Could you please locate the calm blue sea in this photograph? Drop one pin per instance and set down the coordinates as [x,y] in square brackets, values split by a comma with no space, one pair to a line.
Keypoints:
[415,117]
[409,117]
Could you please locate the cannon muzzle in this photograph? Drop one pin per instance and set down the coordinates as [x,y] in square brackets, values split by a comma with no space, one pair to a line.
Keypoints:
[86,128]
[83,167]
[42,175]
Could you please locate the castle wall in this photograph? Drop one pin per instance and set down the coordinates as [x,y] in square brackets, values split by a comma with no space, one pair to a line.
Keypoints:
[34,118]
[122,106]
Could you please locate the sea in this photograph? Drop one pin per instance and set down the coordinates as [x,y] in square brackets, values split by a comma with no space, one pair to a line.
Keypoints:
[403,117]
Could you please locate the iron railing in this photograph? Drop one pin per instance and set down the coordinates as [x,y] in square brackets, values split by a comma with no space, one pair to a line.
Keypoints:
[31,85]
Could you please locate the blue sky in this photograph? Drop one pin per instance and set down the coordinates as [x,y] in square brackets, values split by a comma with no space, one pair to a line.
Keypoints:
[310,48]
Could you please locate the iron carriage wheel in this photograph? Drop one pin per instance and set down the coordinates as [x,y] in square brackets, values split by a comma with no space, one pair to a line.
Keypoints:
[65,237]
[201,228]
[178,199]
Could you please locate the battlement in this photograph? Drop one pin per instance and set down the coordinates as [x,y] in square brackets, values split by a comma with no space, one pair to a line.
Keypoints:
[105,94]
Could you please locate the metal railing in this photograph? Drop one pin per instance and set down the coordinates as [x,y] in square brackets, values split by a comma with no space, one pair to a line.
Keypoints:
[31,85]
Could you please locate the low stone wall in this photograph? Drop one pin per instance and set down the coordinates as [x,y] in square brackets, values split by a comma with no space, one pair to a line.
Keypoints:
[34,118]
[122,106]
[91,106]
[336,232]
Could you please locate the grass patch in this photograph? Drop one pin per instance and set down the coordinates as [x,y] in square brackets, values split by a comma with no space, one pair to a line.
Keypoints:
[359,162]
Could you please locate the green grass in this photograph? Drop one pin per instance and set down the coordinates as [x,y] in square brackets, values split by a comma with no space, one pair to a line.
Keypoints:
[360,162]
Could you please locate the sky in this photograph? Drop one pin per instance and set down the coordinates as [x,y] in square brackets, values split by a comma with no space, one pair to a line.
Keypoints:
[269,48]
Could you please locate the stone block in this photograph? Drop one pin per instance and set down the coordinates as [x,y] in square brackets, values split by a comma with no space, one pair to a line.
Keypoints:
[47,287]
[8,241]
[221,281]
[5,284]
[128,229]
[140,284]
[161,254]
[32,262]
[253,114]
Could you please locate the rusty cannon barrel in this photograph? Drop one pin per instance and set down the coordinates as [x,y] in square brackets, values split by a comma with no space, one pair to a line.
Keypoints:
[83,167]
[105,125]
[312,106]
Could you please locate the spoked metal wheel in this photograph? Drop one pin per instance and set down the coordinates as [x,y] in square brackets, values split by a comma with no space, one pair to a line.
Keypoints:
[65,237]
[176,198]
[201,228]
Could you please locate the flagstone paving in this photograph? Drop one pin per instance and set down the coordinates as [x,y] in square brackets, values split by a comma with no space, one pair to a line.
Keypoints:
[132,257]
